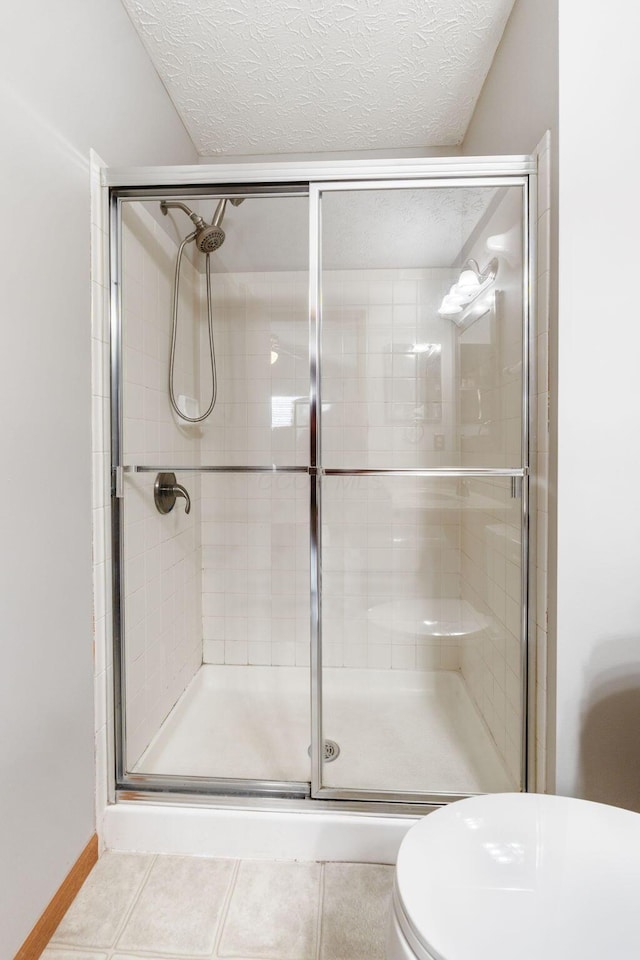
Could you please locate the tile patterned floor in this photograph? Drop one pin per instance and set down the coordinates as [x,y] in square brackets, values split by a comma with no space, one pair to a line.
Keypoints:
[144,907]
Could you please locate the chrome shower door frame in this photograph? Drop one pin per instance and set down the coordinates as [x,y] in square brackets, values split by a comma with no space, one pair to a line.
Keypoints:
[129,782]
[520,475]
[284,179]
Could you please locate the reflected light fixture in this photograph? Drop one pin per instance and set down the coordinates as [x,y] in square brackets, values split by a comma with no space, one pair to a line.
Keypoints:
[508,245]
[430,349]
[460,303]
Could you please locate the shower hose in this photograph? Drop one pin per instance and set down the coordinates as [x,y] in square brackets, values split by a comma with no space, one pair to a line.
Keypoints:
[174,337]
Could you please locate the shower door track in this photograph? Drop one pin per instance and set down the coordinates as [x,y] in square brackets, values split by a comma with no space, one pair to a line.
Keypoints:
[259,802]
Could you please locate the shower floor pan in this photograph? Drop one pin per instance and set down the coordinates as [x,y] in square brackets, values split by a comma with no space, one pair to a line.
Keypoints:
[397,730]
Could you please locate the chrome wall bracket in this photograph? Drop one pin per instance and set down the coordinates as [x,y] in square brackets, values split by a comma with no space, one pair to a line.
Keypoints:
[117,482]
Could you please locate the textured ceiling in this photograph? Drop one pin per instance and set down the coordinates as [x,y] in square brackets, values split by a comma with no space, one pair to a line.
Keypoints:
[291,76]
[409,229]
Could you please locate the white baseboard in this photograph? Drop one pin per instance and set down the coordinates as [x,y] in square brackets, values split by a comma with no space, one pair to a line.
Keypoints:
[252,834]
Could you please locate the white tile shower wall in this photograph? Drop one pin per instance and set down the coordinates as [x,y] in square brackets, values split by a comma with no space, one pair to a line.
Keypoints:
[390,573]
[255,531]
[491,584]
[152,431]
[162,553]
[387,369]
[490,350]
[255,535]
[491,538]
[262,350]
[377,326]
[162,607]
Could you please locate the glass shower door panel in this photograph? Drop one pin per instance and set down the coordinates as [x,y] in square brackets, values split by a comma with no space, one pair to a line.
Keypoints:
[151,431]
[161,648]
[255,605]
[422,685]
[260,326]
[216,628]
[414,375]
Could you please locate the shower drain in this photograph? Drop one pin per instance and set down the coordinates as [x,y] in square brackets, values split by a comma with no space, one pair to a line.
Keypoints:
[331,751]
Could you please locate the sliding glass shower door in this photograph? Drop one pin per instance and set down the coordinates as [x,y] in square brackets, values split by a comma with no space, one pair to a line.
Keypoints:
[212,585]
[420,483]
[341,611]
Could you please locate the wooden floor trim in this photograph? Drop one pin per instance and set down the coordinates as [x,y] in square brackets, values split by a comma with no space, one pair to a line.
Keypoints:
[44,929]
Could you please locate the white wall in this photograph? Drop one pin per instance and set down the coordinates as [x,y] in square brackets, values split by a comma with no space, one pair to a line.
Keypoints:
[598,672]
[71,78]
[597,614]
[518,101]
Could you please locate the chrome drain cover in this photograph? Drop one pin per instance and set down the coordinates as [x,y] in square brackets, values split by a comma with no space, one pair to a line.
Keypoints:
[331,751]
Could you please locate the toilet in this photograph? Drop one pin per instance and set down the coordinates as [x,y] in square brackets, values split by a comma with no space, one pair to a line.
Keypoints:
[518,875]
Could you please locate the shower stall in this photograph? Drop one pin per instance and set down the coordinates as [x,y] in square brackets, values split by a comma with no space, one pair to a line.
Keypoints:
[320,479]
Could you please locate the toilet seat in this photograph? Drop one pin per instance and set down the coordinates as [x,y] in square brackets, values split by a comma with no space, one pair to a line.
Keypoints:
[526,875]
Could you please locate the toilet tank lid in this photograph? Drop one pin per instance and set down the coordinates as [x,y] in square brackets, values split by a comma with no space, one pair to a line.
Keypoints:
[523,875]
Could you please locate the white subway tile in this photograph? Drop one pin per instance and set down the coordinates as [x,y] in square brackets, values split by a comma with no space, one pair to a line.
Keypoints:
[213,651]
[236,652]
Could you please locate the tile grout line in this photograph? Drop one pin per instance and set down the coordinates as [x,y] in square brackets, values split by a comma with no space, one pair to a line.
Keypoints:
[111,952]
[225,909]
[113,946]
[56,950]
[152,955]
[127,915]
[320,912]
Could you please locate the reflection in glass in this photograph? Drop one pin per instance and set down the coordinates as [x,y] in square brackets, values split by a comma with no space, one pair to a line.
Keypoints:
[399,382]
[421,633]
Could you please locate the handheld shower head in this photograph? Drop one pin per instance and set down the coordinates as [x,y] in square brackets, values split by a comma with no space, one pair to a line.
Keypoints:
[222,206]
[219,214]
[208,238]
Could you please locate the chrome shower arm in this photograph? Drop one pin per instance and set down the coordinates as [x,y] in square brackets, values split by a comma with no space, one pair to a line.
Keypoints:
[197,219]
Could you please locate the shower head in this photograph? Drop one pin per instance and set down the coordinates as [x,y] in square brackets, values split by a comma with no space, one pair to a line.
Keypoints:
[208,238]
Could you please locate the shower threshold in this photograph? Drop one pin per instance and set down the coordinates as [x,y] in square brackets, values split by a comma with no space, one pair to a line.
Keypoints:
[397,730]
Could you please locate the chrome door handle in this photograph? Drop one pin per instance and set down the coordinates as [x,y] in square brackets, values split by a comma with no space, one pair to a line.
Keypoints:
[165,492]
